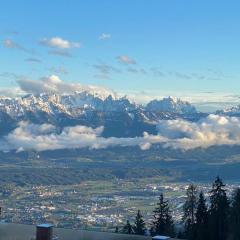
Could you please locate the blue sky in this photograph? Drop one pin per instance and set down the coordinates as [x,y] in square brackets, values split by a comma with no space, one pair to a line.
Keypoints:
[184,48]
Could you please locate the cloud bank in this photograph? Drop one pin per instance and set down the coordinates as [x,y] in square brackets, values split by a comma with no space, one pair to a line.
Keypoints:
[28,136]
[178,134]
[209,131]
[53,84]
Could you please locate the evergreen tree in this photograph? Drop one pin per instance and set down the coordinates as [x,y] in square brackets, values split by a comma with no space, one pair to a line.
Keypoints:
[201,226]
[180,235]
[189,210]
[139,227]
[116,229]
[219,208]
[128,229]
[170,231]
[235,215]
[163,222]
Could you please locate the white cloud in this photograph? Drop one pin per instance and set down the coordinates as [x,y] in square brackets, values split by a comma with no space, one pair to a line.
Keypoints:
[57,42]
[8,43]
[104,36]
[53,84]
[11,92]
[45,137]
[211,131]
[126,60]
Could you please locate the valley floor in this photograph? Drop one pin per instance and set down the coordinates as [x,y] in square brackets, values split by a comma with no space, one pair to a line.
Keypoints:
[93,205]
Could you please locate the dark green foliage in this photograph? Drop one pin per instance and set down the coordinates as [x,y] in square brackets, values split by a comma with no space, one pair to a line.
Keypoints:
[69,175]
[116,230]
[119,162]
[189,210]
[180,235]
[127,229]
[219,209]
[219,222]
[139,227]
[201,230]
[163,222]
[235,215]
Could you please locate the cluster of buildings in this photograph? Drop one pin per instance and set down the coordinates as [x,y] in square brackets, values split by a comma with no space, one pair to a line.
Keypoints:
[73,207]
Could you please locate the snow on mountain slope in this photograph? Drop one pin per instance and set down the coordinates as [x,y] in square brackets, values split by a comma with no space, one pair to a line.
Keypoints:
[71,103]
[67,104]
[233,111]
[119,116]
[171,105]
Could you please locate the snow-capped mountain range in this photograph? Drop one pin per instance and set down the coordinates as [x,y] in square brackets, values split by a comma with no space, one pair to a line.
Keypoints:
[78,103]
[119,116]
[232,111]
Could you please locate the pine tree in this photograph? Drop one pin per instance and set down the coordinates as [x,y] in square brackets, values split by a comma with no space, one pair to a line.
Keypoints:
[180,235]
[128,229]
[235,215]
[116,229]
[201,226]
[219,208]
[163,222]
[139,227]
[189,210]
[170,231]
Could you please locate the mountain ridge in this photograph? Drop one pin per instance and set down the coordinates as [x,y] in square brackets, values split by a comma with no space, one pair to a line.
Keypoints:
[120,116]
